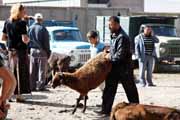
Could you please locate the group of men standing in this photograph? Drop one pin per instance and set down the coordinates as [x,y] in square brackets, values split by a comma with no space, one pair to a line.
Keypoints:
[19,40]
[119,54]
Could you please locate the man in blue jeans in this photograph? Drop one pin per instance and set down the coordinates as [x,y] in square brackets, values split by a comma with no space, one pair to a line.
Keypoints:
[145,51]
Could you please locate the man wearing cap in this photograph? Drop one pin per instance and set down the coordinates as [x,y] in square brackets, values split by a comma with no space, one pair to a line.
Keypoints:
[39,53]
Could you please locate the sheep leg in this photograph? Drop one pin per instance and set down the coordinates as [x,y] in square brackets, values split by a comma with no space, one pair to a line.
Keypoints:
[85,101]
[77,103]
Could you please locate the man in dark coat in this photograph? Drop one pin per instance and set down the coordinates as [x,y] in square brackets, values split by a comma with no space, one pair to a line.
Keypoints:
[39,53]
[120,56]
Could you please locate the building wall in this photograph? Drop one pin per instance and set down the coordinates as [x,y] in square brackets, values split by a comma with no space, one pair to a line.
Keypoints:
[133,5]
[48,3]
[86,16]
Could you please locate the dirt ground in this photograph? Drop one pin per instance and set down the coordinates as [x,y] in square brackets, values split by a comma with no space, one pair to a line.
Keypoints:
[57,104]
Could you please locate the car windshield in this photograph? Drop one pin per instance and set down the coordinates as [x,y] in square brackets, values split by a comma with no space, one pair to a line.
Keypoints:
[164,31]
[67,35]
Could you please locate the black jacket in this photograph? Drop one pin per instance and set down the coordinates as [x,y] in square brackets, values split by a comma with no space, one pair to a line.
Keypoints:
[120,52]
[14,30]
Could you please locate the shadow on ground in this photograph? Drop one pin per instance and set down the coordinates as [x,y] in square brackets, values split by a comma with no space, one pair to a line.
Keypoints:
[42,103]
[67,108]
[35,97]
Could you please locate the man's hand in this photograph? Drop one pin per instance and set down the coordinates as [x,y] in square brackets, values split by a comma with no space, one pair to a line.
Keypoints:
[25,39]
[4,37]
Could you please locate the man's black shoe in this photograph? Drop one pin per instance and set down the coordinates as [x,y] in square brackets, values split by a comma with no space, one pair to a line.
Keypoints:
[99,105]
[151,85]
[42,89]
[101,112]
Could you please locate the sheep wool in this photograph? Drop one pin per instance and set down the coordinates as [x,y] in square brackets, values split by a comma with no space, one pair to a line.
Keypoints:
[91,74]
[86,78]
[132,111]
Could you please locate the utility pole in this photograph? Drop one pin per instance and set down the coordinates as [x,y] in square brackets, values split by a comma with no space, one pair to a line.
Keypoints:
[84,3]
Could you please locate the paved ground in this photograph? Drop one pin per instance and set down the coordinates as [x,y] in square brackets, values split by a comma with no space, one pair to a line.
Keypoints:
[56,104]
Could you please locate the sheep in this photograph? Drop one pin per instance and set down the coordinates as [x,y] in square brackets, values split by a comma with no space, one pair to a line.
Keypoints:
[86,78]
[132,111]
[57,63]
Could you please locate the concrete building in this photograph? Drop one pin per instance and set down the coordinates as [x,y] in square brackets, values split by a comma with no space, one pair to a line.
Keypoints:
[86,17]
[60,3]
[98,3]
[133,5]
[49,3]
[148,6]
[1,2]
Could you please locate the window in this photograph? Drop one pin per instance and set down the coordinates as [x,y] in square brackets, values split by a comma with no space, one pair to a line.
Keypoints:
[165,31]
[72,35]
[98,1]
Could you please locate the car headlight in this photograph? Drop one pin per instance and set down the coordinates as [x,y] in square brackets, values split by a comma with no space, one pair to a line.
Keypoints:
[163,44]
[72,51]
[163,50]
[72,58]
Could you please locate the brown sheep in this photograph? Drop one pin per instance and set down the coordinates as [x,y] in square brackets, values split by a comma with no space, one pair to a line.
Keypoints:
[57,63]
[132,111]
[86,78]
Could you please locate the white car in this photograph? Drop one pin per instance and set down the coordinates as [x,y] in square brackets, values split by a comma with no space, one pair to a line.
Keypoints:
[68,40]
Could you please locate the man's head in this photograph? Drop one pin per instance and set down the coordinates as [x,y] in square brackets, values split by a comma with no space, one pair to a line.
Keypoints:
[38,17]
[92,37]
[147,30]
[114,24]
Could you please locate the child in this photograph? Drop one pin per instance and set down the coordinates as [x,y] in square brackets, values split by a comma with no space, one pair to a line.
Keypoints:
[95,48]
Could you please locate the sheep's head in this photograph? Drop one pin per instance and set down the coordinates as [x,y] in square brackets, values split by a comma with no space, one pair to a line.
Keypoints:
[57,79]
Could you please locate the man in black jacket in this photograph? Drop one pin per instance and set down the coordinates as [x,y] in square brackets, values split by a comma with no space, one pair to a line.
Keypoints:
[120,56]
